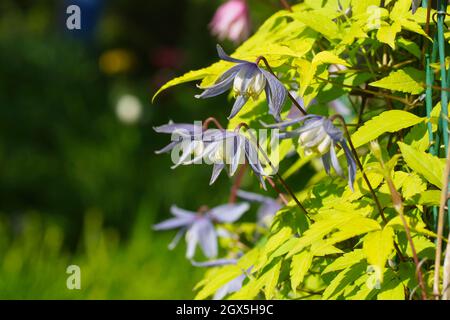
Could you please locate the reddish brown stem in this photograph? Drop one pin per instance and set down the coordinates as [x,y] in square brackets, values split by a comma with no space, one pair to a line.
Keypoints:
[213,120]
[237,183]
[274,186]
[286,5]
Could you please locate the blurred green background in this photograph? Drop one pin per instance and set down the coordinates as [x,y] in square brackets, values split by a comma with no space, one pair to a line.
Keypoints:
[79,180]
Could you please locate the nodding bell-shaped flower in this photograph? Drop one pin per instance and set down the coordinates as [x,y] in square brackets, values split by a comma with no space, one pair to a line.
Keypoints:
[247,80]
[319,136]
[218,147]
[199,226]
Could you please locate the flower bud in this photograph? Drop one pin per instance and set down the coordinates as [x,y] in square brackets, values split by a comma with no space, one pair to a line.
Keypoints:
[376,150]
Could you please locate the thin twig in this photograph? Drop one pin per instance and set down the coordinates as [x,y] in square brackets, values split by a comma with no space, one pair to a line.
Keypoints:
[281,195]
[440,227]
[361,111]
[237,183]
[375,93]
[286,5]
[213,120]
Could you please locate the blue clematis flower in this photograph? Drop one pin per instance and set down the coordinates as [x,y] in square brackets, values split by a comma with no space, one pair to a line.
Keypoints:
[218,147]
[268,208]
[319,136]
[247,80]
[199,226]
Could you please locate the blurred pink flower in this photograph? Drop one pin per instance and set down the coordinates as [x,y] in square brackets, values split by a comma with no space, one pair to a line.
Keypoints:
[231,21]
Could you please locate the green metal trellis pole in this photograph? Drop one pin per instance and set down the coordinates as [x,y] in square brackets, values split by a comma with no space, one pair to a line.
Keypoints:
[442,10]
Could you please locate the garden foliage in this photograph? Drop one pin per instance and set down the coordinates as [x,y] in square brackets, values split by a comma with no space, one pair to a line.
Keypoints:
[350,242]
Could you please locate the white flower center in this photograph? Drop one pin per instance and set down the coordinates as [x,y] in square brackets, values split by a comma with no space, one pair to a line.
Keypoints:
[249,83]
[315,140]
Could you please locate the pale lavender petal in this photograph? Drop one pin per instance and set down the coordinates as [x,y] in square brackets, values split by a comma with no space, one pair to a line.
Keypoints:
[250,196]
[228,212]
[222,84]
[214,263]
[177,238]
[335,161]
[181,213]
[207,238]
[332,131]
[186,153]
[179,127]
[415,5]
[221,292]
[192,238]
[224,56]
[167,148]
[230,287]
[217,169]
[277,94]
[237,154]
[174,223]
[326,160]
[289,123]
[253,160]
[267,211]
[238,104]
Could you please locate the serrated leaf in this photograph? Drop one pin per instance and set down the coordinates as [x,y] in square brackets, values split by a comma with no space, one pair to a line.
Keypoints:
[318,22]
[299,267]
[400,9]
[378,247]
[188,77]
[407,80]
[392,290]
[347,260]
[225,275]
[361,6]
[328,57]
[409,46]
[388,121]
[387,34]
[271,280]
[343,225]
[414,224]
[425,164]
[427,198]
[343,279]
